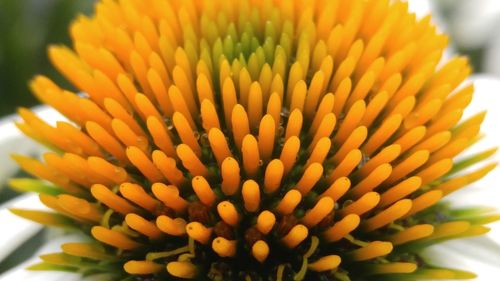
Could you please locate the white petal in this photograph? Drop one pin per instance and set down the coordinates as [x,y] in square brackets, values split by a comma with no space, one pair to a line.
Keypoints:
[48,114]
[480,255]
[26,275]
[53,245]
[420,7]
[13,141]
[16,230]
[485,191]
[54,241]
[20,230]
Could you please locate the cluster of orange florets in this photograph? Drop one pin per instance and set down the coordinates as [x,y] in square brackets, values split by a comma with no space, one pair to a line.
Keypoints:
[253,140]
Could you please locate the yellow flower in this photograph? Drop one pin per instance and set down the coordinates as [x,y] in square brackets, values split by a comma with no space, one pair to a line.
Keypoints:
[255,140]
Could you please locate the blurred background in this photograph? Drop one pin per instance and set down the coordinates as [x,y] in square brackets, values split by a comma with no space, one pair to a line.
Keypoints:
[26,28]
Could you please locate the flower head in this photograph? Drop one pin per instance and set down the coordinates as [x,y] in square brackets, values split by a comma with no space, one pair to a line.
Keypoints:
[254,140]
